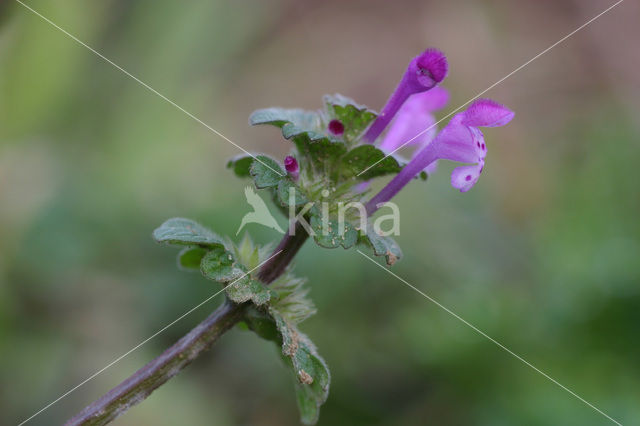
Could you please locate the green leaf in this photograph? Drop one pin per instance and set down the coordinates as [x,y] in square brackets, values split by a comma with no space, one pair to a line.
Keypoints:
[310,370]
[280,116]
[382,246]
[306,130]
[241,164]
[247,252]
[286,187]
[312,376]
[333,236]
[246,289]
[220,265]
[314,144]
[266,172]
[189,258]
[323,153]
[355,117]
[180,231]
[363,156]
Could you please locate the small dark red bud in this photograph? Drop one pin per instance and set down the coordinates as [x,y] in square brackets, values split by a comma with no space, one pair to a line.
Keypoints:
[291,165]
[336,127]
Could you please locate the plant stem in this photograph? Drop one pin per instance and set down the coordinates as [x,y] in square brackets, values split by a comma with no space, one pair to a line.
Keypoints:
[157,372]
[289,245]
[144,381]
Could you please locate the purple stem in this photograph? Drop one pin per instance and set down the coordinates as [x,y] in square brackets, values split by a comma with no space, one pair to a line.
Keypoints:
[397,98]
[289,245]
[415,166]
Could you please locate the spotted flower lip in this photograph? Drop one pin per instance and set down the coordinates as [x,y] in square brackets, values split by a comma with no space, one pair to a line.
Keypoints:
[424,72]
[460,140]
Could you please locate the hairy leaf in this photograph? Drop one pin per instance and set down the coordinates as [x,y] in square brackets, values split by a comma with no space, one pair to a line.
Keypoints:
[306,130]
[323,153]
[246,289]
[355,117]
[286,188]
[310,370]
[266,172]
[382,246]
[330,235]
[221,266]
[189,258]
[312,376]
[280,116]
[186,232]
[241,164]
[363,156]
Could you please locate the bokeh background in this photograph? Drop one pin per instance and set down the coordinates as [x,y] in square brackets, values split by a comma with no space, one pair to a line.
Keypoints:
[543,254]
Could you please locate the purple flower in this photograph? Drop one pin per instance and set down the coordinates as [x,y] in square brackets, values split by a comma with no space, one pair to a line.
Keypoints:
[460,140]
[291,165]
[414,124]
[423,73]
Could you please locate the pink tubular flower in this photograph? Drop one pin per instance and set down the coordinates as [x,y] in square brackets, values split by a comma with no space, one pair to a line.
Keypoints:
[460,140]
[414,124]
[424,72]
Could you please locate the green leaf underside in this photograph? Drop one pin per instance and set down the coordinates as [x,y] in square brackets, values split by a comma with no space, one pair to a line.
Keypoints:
[241,164]
[356,118]
[266,172]
[186,232]
[382,246]
[280,116]
[363,156]
[334,236]
[312,377]
[189,258]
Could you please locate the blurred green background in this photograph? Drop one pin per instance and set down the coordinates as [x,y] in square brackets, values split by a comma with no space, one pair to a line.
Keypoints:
[543,254]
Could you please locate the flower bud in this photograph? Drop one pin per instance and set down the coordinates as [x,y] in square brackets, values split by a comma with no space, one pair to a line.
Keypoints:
[291,165]
[427,70]
[336,127]
[424,72]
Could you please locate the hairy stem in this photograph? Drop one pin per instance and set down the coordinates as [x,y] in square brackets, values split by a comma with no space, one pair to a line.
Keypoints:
[139,386]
